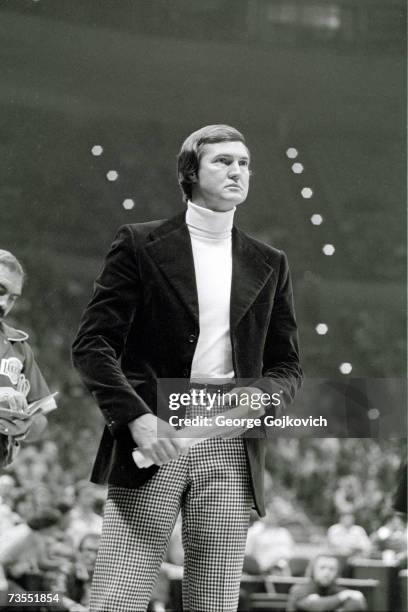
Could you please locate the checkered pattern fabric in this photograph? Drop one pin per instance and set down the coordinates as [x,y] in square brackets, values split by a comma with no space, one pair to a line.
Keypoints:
[205,409]
[211,486]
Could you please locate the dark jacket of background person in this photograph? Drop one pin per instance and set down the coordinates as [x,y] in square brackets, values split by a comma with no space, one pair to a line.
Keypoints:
[142,324]
[327,595]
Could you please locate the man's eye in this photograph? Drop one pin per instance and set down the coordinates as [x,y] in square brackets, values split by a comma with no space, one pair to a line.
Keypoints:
[223,160]
[244,162]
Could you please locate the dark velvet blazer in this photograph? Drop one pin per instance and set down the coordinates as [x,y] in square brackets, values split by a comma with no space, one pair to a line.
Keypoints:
[142,324]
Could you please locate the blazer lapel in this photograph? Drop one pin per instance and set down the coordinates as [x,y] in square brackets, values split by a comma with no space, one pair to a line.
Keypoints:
[171,249]
[250,271]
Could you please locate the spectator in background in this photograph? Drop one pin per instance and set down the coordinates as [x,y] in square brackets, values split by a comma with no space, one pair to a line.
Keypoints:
[55,474]
[7,490]
[21,381]
[67,495]
[348,498]
[83,518]
[8,518]
[23,549]
[41,497]
[86,559]
[321,593]
[268,548]
[17,541]
[57,557]
[347,538]
[374,505]
[29,468]
[37,556]
[392,536]
[24,507]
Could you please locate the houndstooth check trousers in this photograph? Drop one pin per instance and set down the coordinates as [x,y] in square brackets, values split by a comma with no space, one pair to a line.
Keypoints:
[211,486]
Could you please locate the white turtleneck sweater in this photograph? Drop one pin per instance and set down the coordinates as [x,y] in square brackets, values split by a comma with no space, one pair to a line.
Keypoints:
[211,241]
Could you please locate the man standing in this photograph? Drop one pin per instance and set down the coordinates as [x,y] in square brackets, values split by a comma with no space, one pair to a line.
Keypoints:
[21,381]
[189,298]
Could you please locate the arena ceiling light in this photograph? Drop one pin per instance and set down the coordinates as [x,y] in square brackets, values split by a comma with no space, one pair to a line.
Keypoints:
[292,153]
[297,168]
[345,368]
[112,175]
[322,329]
[97,150]
[328,249]
[316,219]
[307,193]
[128,204]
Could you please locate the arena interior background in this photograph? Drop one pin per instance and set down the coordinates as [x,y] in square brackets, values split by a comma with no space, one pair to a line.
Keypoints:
[324,77]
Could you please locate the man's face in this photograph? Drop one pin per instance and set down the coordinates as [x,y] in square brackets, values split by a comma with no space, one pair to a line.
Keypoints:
[11,286]
[89,551]
[223,176]
[325,570]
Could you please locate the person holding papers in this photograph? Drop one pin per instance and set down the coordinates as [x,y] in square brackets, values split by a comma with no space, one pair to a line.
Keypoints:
[24,394]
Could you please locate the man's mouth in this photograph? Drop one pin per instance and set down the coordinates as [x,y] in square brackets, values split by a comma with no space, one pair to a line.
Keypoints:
[234,185]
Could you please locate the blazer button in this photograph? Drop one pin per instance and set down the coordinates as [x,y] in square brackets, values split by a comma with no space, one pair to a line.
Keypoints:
[186,372]
[192,338]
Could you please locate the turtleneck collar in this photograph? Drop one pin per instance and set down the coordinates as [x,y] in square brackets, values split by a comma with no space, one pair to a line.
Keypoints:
[209,223]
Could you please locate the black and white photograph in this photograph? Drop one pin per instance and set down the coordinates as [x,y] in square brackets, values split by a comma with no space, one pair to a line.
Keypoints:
[203,376]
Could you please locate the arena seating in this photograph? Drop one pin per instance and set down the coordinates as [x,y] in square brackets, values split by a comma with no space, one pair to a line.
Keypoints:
[276,589]
[403,589]
[386,574]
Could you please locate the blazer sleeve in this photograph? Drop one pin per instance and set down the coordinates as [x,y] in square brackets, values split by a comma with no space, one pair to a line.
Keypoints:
[103,330]
[281,370]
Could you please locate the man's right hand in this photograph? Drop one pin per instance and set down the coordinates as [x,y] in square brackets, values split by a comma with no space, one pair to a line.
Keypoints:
[15,400]
[145,431]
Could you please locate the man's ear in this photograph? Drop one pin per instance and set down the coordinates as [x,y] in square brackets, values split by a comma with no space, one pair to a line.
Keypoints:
[193,177]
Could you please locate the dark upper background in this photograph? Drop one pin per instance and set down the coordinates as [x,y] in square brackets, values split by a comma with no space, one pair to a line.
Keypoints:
[136,76]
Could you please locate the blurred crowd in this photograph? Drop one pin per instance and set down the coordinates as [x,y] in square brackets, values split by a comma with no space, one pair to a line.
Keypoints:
[50,527]
[327,477]
[51,520]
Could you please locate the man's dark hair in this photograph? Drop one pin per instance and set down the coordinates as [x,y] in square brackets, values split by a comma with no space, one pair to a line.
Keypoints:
[188,159]
[11,262]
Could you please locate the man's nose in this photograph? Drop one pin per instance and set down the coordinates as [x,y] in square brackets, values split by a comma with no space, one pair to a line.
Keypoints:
[234,169]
